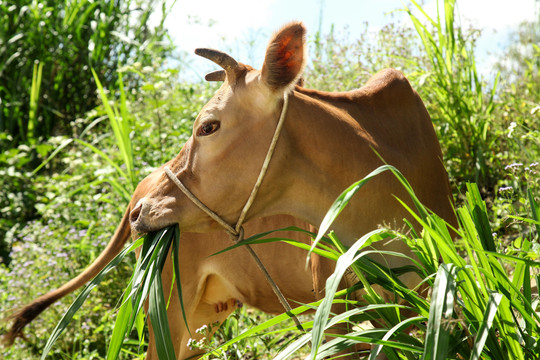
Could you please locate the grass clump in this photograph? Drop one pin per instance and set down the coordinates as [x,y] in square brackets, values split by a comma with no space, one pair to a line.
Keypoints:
[481,305]
[47,51]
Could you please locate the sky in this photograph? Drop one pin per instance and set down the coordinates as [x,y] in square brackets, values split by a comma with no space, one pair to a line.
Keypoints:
[237,23]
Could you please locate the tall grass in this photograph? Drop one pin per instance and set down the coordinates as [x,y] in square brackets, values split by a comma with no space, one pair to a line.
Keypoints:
[481,304]
[463,102]
[121,124]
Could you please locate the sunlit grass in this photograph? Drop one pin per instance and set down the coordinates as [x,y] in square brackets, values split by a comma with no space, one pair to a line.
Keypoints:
[480,306]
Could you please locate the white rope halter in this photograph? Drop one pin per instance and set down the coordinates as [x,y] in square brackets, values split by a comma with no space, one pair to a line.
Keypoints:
[237,232]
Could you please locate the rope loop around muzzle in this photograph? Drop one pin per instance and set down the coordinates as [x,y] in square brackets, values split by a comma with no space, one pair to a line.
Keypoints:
[236,233]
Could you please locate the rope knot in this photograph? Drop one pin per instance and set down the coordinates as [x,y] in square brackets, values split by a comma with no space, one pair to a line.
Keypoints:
[237,236]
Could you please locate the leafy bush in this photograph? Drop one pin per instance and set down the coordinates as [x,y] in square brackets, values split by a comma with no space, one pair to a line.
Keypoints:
[47,49]
[46,53]
[39,249]
[519,97]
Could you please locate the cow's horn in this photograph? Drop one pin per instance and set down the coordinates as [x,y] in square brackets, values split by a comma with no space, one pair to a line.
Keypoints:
[226,61]
[218,75]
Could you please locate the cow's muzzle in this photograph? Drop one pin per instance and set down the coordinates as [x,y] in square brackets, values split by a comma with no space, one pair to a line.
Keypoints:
[138,214]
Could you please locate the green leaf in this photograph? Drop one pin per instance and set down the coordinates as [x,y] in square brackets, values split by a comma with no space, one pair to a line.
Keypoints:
[157,312]
[485,327]
[264,326]
[342,201]
[120,328]
[332,283]
[442,303]
[478,210]
[176,265]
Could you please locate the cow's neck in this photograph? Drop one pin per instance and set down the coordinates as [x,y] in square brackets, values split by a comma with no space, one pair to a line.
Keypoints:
[327,151]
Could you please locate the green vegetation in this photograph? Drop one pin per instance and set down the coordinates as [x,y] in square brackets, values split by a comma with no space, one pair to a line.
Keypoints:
[47,52]
[75,142]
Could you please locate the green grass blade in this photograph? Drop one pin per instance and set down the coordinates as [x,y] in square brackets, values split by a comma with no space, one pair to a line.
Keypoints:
[53,154]
[148,268]
[342,201]
[264,326]
[322,250]
[176,265]
[260,238]
[121,131]
[140,323]
[402,325]
[372,336]
[152,264]
[295,346]
[120,328]
[332,283]
[34,101]
[104,156]
[125,129]
[478,210]
[303,340]
[442,303]
[157,312]
[535,210]
[125,317]
[485,327]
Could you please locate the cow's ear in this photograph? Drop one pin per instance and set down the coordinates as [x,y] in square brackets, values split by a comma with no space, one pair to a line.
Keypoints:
[284,60]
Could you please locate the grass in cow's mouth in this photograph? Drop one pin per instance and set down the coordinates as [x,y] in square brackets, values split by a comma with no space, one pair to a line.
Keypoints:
[144,284]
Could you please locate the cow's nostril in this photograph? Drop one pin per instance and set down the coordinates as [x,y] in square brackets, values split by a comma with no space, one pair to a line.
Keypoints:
[134,215]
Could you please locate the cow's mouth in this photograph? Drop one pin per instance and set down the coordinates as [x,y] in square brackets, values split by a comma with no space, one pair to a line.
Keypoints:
[141,228]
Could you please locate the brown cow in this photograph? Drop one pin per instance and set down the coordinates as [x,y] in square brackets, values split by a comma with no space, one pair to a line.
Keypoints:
[211,285]
[328,141]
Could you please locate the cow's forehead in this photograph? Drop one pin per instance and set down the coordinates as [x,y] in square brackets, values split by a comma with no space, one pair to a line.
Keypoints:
[250,94]
[215,105]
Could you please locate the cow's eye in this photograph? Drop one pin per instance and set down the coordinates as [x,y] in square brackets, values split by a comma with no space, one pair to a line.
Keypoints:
[208,128]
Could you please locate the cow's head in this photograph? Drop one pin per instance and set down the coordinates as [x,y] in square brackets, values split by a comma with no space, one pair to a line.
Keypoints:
[221,160]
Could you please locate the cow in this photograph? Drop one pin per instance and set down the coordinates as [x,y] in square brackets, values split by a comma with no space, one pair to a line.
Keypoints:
[212,286]
[326,142]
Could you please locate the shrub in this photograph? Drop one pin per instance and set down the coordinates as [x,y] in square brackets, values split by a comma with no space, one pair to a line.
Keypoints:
[47,50]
